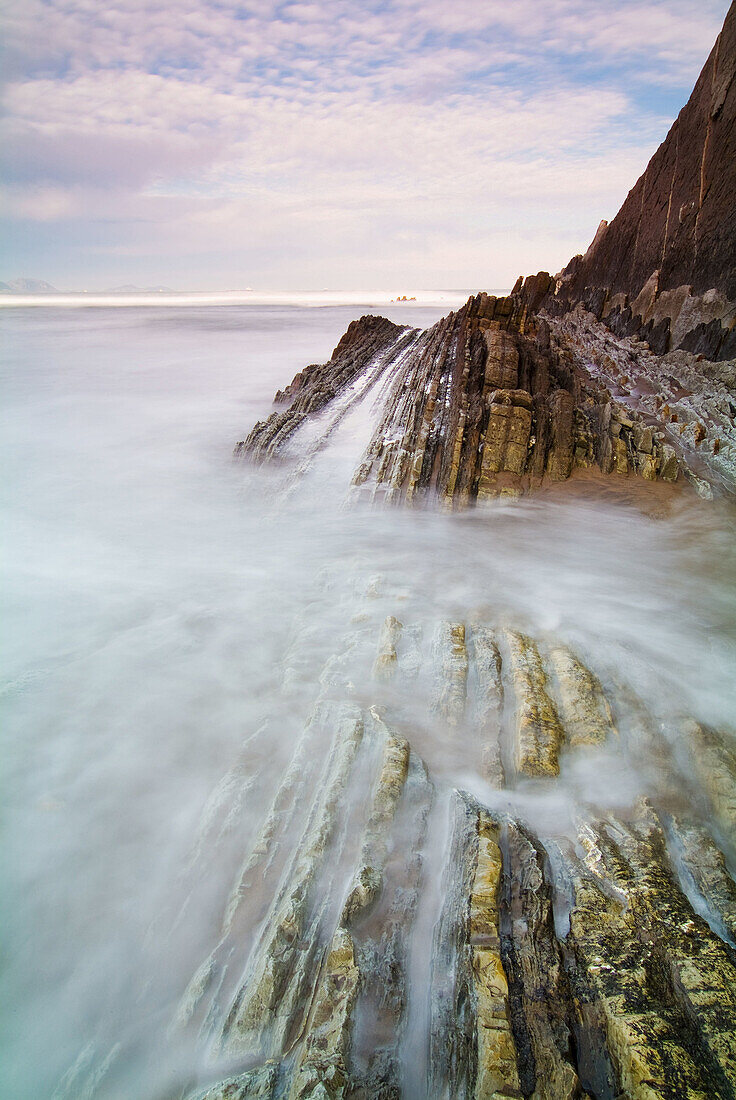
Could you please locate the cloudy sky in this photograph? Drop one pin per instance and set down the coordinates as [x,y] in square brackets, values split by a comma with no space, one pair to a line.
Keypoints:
[330,143]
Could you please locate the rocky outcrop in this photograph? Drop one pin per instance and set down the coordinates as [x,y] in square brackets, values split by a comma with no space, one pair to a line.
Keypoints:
[509,392]
[388,935]
[561,966]
[686,403]
[496,399]
[512,933]
[366,350]
[664,270]
[679,219]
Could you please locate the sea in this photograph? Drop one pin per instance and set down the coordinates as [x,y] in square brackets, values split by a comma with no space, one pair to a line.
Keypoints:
[168,614]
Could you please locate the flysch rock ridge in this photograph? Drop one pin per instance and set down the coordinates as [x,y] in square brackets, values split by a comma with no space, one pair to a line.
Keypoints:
[561,966]
[496,400]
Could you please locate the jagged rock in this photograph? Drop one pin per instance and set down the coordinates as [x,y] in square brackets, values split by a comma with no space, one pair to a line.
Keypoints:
[560,968]
[532,957]
[665,396]
[715,766]
[506,443]
[705,863]
[678,219]
[665,267]
[472,1044]
[322,1072]
[488,401]
[368,347]
[386,659]
[649,974]
[497,1073]
[257,1084]
[501,1002]
[485,403]
[487,658]
[539,734]
[208,991]
[583,710]
[369,878]
[263,1009]
[453,657]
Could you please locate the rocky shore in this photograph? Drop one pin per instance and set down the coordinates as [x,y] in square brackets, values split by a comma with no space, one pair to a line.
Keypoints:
[596,958]
[625,360]
[602,965]
[495,399]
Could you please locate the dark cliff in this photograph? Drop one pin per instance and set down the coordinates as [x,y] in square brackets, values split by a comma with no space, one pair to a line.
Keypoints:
[665,267]
[680,216]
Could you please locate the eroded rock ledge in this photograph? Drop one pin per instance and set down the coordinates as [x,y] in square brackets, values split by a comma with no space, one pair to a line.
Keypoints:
[386,934]
[500,397]
[560,967]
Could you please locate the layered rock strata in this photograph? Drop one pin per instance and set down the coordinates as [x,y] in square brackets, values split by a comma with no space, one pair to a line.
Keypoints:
[625,360]
[498,399]
[561,967]
[367,349]
[576,946]
[552,963]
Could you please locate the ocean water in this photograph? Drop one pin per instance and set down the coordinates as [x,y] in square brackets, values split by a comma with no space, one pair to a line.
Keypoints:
[167,614]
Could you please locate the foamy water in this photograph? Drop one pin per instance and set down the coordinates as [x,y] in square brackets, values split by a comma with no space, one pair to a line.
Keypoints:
[168,614]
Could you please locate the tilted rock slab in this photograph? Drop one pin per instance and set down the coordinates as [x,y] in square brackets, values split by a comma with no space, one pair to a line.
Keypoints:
[597,963]
[482,404]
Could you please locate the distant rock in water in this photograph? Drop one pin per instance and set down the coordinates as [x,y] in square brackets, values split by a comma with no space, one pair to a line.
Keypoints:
[665,267]
[131,288]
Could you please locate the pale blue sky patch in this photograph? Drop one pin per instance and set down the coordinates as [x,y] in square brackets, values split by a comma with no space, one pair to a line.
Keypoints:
[302,145]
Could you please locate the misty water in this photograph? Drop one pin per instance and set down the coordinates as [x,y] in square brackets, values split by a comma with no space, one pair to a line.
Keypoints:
[170,617]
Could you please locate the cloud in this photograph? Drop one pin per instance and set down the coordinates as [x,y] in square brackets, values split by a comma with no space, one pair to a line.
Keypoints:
[211,123]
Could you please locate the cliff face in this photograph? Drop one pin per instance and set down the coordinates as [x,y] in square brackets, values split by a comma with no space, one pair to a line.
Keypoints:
[508,392]
[680,217]
[665,267]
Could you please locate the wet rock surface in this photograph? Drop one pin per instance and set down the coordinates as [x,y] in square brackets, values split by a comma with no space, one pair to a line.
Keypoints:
[597,963]
[495,400]
[369,346]
[625,361]
[389,934]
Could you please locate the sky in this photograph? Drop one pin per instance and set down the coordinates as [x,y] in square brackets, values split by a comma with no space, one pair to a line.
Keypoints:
[342,144]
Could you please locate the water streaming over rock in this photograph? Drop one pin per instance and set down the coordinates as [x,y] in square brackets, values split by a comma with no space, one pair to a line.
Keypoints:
[306,796]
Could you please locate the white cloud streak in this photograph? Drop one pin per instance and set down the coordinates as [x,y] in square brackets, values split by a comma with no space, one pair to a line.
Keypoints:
[324,140]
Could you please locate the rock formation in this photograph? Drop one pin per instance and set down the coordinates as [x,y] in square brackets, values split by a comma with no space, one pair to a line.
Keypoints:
[665,267]
[560,967]
[386,936]
[595,961]
[508,392]
[600,962]
[592,960]
[624,362]
[498,398]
